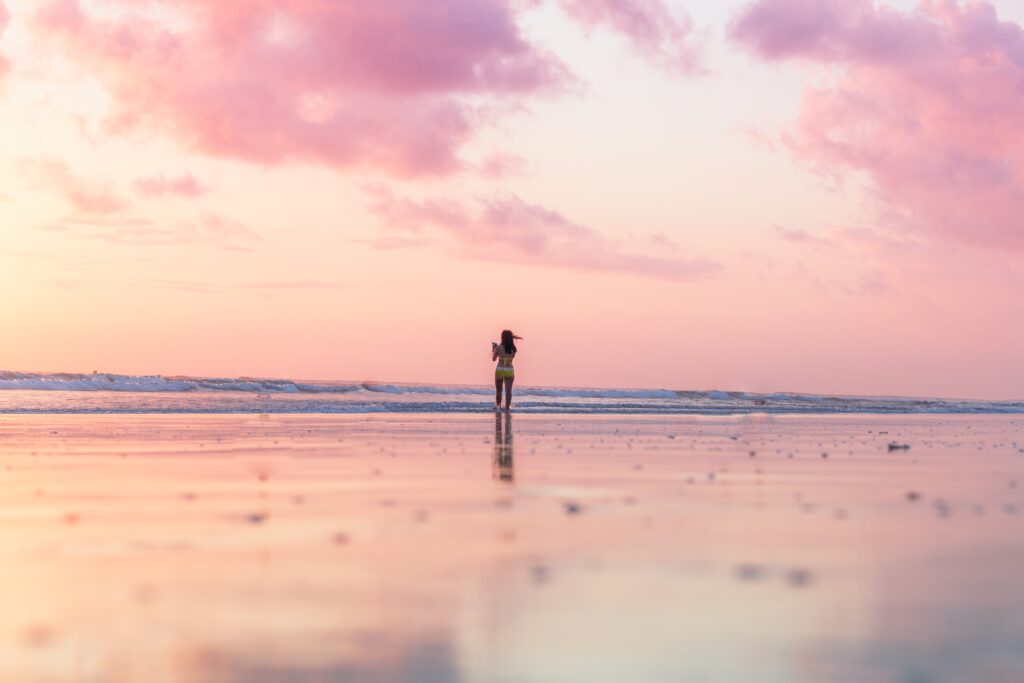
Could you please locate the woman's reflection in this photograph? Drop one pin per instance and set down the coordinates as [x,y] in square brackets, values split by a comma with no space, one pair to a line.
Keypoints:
[502,468]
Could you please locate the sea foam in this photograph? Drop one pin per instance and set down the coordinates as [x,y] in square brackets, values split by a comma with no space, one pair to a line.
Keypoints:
[28,392]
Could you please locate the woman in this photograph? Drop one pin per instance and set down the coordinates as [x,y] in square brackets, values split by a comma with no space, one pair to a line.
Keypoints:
[504,374]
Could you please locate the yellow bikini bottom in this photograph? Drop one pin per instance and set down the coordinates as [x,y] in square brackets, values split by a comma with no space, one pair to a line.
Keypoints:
[502,373]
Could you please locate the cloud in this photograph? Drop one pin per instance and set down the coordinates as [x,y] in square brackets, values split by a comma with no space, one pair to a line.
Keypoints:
[502,165]
[831,30]
[284,285]
[653,29]
[162,186]
[5,19]
[797,236]
[261,288]
[396,242]
[927,106]
[872,283]
[506,228]
[223,233]
[383,84]
[85,195]
[210,229]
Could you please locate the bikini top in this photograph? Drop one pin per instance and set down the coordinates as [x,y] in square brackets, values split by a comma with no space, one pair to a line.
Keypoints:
[505,360]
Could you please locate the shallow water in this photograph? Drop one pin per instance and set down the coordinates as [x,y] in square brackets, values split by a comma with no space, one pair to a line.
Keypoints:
[144,395]
[522,548]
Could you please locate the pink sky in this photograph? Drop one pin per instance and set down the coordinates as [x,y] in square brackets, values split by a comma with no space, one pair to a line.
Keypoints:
[802,195]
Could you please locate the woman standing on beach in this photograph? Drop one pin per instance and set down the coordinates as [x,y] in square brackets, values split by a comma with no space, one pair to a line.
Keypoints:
[504,374]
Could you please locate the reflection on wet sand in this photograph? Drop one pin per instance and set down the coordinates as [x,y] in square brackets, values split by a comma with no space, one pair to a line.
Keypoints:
[211,549]
[504,467]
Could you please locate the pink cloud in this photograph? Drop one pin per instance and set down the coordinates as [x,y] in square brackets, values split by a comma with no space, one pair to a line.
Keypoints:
[161,186]
[210,229]
[383,84]
[501,165]
[224,233]
[85,195]
[652,28]
[5,19]
[798,236]
[264,289]
[927,106]
[831,30]
[506,228]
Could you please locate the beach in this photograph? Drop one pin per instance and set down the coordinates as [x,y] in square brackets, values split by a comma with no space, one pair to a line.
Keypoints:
[522,547]
[747,274]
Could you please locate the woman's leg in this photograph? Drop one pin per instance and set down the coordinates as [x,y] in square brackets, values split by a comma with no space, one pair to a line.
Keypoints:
[497,391]
[508,391]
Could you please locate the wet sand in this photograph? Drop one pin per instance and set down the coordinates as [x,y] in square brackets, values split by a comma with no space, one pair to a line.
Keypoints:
[537,548]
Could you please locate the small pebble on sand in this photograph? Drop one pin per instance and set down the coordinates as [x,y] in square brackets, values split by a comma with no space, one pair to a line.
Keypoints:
[798,578]
[750,572]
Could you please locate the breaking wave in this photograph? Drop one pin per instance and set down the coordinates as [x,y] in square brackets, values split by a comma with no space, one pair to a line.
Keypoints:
[27,392]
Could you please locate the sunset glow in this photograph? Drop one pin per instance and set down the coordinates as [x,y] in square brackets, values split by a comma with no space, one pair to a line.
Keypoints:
[778,195]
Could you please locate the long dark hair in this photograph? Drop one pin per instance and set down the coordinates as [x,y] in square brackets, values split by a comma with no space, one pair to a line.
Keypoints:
[506,341]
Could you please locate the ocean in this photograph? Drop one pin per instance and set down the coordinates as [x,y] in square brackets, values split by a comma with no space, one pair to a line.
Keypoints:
[59,393]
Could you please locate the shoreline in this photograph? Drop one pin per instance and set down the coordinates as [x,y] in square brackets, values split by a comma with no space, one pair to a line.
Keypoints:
[454,548]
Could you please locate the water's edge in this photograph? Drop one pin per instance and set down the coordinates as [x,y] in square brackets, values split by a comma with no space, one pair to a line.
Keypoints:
[34,393]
